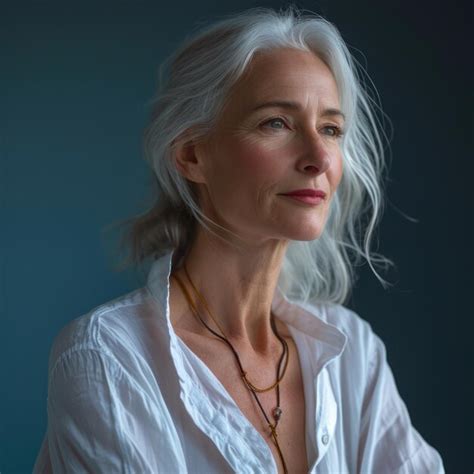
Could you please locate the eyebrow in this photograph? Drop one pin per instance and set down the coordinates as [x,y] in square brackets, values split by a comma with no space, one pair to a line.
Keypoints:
[295,106]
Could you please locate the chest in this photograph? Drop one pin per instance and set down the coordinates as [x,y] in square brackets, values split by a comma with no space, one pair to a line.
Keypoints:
[291,428]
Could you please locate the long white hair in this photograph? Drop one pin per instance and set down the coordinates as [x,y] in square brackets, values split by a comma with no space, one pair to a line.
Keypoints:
[194,84]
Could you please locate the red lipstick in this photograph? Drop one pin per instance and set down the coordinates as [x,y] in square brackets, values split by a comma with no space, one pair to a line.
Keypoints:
[307,192]
[309,196]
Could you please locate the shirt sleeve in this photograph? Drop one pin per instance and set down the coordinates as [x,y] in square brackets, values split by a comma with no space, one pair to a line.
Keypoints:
[388,442]
[99,421]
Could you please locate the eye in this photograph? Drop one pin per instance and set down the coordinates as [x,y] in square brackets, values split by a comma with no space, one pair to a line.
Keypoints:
[333,131]
[276,120]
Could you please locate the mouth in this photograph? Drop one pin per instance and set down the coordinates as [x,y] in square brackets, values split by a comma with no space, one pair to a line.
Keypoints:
[307,192]
[312,200]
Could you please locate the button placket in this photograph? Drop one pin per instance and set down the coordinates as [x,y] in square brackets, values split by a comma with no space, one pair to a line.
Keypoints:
[327,414]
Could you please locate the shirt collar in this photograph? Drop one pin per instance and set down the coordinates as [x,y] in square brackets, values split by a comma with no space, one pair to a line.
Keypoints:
[306,318]
[320,342]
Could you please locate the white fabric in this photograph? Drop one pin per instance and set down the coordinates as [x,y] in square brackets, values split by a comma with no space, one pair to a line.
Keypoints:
[126,395]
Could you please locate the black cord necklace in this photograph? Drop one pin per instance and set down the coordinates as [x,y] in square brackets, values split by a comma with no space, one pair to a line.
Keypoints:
[276,412]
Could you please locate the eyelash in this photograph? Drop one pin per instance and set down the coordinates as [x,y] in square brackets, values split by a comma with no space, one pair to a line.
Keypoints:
[338,132]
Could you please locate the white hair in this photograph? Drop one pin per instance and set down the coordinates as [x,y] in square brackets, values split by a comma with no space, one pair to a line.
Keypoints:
[201,72]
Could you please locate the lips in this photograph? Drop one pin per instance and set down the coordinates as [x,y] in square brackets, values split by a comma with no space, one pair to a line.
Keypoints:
[307,192]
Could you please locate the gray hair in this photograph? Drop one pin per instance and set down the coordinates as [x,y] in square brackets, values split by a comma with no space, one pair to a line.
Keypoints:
[201,72]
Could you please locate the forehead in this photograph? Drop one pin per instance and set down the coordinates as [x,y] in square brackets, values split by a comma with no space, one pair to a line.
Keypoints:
[285,74]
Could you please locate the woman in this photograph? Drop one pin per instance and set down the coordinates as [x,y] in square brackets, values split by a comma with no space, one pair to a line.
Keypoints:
[238,354]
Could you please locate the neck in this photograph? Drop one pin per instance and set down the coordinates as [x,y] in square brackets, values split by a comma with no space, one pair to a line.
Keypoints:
[238,288]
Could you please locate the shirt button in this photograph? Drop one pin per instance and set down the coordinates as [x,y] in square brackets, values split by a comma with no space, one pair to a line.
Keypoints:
[325,439]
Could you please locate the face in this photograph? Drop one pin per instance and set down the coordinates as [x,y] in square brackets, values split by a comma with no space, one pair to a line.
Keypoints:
[256,153]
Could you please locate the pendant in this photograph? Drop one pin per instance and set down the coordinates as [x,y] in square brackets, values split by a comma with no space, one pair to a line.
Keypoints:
[277,413]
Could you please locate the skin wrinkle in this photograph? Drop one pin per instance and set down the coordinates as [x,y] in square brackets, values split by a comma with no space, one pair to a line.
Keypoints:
[241,168]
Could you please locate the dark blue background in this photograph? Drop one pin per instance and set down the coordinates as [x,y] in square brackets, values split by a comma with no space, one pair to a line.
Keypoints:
[75,79]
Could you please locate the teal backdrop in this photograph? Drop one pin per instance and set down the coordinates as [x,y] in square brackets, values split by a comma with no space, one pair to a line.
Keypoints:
[75,81]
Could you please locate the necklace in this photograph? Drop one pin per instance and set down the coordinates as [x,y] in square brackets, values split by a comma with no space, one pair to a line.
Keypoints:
[243,373]
[276,412]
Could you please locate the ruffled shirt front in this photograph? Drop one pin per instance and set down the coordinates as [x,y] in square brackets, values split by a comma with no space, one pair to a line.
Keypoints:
[126,395]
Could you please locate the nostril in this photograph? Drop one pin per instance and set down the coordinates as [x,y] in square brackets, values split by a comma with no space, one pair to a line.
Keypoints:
[313,168]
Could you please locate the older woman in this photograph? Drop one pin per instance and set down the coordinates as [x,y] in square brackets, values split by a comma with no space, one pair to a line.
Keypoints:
[238,354]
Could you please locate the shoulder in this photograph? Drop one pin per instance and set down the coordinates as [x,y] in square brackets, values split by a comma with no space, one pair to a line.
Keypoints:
[108,330]
[361,360]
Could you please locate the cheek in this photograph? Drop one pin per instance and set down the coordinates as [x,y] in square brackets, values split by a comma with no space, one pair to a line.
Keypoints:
[258,160]
[335,171]
[251,165]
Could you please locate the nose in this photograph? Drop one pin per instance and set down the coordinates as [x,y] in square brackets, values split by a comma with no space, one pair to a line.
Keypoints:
[316,154]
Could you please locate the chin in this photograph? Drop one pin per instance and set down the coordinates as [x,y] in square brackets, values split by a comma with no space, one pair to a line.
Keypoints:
[306,234]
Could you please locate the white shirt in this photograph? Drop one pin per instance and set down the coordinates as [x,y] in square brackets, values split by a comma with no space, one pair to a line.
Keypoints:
[126,395]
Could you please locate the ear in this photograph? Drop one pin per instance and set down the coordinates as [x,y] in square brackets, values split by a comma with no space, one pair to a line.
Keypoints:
[190,160]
